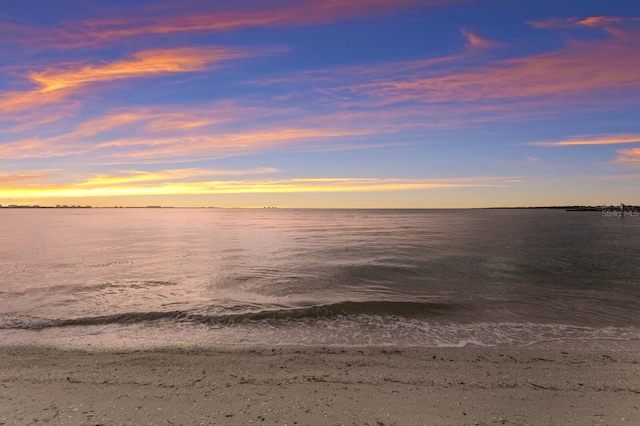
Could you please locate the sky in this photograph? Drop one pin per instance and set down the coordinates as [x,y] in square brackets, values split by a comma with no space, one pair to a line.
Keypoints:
[320,103]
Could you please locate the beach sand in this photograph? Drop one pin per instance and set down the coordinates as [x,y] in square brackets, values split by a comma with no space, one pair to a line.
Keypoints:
[318,386]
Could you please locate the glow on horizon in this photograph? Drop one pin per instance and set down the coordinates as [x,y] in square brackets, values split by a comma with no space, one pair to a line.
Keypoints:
[172,183]
[385,103]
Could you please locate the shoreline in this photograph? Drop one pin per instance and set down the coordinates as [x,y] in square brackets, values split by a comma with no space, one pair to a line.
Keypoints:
[318,385]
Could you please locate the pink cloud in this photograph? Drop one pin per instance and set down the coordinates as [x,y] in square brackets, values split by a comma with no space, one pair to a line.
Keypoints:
[105,31]
[582,67]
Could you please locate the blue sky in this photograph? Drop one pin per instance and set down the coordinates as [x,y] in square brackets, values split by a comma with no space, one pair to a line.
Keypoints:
[309,103]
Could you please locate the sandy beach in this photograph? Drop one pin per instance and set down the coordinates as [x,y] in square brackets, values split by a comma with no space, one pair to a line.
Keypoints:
[307,385]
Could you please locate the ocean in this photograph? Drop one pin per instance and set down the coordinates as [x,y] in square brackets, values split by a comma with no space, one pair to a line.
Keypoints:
[144,278]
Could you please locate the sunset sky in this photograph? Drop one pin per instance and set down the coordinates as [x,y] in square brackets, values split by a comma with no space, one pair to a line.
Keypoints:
[320,103]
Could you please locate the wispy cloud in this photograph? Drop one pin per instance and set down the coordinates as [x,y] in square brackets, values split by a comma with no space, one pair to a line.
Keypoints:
[81,139]
[351,147]
[617,177]
[183,134]
[593,140]
[57,83]
[217,145]
[475,41]
[470,86]
[591,21]
[174,175]
[446,91]
[601,21]
[171,20]
[336,76]
[582,67]
[630,157]
[12,179]
[145,63]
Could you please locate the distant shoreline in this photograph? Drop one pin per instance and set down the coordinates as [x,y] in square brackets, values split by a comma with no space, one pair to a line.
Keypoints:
[571,208]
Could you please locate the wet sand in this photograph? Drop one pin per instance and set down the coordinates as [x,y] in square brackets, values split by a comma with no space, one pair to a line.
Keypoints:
[318,386]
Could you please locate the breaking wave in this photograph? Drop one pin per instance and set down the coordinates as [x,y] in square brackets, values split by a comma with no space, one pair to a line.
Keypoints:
[240,314]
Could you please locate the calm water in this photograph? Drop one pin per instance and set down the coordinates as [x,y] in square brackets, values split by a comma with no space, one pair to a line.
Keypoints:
[148,277]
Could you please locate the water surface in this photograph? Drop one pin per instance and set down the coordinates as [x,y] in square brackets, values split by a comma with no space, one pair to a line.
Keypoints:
[350,277]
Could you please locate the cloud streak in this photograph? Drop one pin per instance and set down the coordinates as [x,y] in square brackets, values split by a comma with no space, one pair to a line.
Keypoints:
[629,157]
[12,179]
[55,84]
[581,68]
[475,41]
[175,175]
[593,140]
[149,21]
[145,63]
[588,22]
[218,145]
[156,135]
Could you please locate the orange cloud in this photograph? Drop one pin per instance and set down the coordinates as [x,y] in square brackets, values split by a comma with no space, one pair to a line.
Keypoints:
[600,21]
[476,41]
[148,22]
[145,63]
[19,101]
[592,21]
[10,179]
[629,156]
[594,140]
[54,85]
